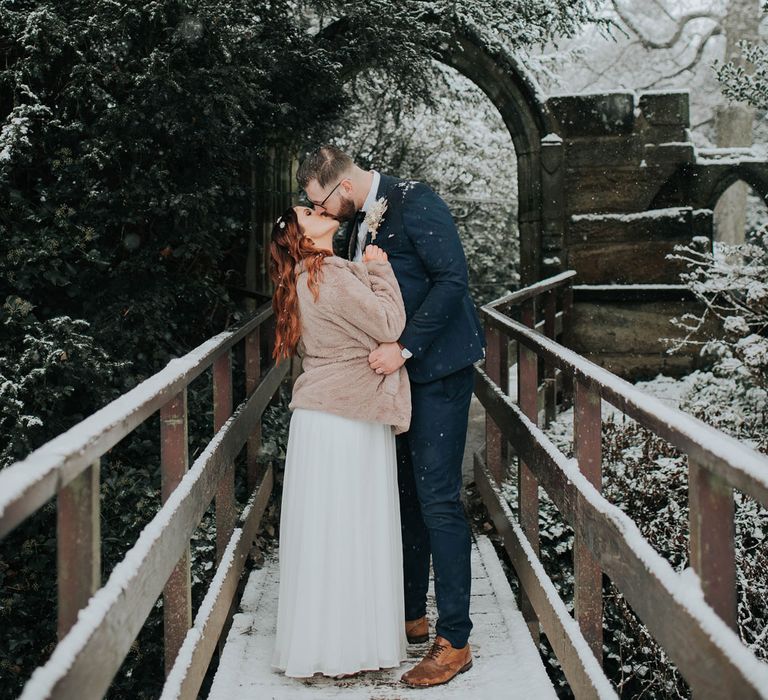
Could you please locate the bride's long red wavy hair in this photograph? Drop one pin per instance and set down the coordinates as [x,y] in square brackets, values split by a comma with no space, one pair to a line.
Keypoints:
[289,246]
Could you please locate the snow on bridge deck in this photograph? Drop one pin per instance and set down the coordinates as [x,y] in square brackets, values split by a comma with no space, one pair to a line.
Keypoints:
[506,662]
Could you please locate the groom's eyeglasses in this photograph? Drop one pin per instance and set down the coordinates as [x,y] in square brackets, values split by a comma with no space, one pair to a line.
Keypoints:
[322,204]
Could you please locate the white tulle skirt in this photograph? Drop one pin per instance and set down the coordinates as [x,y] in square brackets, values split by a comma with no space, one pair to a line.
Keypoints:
[340,607]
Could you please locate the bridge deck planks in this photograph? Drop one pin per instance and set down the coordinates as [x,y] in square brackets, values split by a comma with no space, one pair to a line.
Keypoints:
[506,662]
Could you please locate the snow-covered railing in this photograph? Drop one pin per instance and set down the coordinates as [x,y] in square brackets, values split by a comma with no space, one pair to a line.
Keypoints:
[97,624]
[692,617]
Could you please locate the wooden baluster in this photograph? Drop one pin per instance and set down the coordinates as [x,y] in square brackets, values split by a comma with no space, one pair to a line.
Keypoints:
[252,377]
[567,340]
[588,578]
[527,486]
[550,385]
[712,553]
[174,461]
[226,513]
[78,550]
[504,384]
[493,436]
[225,493]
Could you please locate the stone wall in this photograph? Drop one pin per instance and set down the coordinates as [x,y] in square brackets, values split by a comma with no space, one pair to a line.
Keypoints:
[601,174]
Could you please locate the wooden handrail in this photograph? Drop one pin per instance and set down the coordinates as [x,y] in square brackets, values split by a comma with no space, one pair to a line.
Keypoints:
[534,290]
[97,624]
[741,466]
[655,591]
[698,632]
[26,485]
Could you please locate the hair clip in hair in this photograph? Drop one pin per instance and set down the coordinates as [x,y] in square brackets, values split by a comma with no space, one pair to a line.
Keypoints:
[280,222]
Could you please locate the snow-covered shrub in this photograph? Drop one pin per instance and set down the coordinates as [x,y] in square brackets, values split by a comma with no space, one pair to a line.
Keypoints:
[648,479]
[52,374]
[731,282]
[747,85]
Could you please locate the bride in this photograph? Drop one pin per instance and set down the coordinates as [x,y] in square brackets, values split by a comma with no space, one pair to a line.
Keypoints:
[340,606]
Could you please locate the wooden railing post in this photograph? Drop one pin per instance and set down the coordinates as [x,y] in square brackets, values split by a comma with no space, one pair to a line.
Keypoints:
[588,578]
[174,461]
[78,537]
[567,341]
[550,384]
[712,553]
[225,493]
[527,486]
[494,359]
[252,376]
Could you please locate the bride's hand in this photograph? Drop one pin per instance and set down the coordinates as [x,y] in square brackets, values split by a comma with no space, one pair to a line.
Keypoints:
[373,252]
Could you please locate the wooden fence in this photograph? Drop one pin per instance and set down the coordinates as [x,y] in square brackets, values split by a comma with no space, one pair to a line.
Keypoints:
[696,625]
[97,624]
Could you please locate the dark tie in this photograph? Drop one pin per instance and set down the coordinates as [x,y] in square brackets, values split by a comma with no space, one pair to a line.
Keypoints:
[354,225]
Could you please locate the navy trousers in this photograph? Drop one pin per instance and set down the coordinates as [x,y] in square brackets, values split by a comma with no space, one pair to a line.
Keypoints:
[429,458]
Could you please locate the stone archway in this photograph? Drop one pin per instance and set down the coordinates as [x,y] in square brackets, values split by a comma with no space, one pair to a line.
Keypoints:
[514,93]
[700,184]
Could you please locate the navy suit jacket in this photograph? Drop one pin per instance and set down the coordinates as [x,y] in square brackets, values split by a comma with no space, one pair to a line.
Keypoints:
[419,235]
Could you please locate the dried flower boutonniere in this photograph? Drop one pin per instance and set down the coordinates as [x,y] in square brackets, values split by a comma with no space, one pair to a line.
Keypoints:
[374,217]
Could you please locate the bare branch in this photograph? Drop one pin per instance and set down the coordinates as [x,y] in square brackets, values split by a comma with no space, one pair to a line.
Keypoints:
[715,31]
[682,23]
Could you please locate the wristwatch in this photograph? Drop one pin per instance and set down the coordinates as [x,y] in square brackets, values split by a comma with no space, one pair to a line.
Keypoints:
[405,353]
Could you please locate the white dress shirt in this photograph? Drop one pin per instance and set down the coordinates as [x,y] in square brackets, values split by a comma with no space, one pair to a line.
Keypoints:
[362,232]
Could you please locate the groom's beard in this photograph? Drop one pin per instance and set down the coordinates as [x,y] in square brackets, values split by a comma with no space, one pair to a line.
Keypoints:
[347,211]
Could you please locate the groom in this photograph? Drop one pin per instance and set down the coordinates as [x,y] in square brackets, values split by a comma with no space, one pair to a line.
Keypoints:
[441,341]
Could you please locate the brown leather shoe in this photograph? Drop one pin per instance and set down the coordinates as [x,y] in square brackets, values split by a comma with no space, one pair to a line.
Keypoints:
[417,631]
[441,663]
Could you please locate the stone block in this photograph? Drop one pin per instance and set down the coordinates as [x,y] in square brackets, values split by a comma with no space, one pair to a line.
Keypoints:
[674,223]
[608,189]
[595,114]
[632,248]
[666,108]
[638,262]
[676,153]
[603,151]
[628,337]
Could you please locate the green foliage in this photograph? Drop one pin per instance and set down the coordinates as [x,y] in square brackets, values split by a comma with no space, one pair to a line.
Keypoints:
[129,132]
[747,83]
[51,374]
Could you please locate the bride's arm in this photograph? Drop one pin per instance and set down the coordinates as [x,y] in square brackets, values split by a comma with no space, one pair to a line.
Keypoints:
[375,308]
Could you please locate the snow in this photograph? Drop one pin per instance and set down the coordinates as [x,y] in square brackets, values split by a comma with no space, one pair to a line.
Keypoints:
[678,586]
[123,577]
[552,138]
[731,156]
[172,687]
[542,284]
[651,214]
[666,91]
[506,661]
[615,287]
[735,456]
[101,430]
[570,625]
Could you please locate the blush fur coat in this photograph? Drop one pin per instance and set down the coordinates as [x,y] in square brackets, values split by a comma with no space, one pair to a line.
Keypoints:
[359,306]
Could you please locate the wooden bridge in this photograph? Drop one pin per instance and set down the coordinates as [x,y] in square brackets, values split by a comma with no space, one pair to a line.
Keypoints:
[692,618]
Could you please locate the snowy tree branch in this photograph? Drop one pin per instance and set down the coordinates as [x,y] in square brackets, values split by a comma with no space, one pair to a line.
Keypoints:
[682,23]
[715,31]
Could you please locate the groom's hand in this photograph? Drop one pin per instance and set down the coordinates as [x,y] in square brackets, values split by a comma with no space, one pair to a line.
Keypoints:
[386,358]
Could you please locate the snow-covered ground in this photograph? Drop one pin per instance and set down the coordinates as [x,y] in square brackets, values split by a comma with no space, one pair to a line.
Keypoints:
[506,662]
[670,390]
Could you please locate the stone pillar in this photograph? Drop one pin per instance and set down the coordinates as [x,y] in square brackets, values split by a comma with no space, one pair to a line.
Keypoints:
[552,205]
